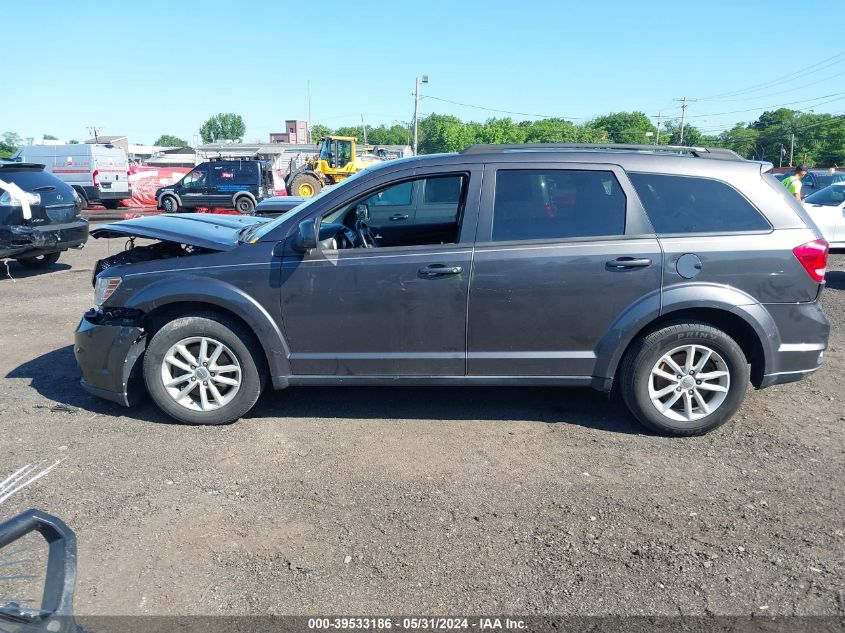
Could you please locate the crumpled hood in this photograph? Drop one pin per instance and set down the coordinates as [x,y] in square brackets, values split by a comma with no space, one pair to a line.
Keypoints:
[205,230]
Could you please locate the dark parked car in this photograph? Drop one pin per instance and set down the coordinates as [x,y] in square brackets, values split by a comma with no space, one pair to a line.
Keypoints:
[278,205]
[677,274]
[233,184]
[816,180]
[39,215]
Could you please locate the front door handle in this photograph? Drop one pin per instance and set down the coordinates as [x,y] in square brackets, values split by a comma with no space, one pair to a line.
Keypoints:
[439,270]
[398,216]
[622,263]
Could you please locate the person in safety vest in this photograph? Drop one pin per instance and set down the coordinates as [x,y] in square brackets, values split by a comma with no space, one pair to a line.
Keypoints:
[793,182]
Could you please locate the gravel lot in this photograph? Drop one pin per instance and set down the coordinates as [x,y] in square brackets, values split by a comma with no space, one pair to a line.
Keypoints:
[424,500]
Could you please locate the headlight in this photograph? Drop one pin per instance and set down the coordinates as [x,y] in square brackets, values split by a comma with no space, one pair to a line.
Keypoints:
[104,288]
[8,200]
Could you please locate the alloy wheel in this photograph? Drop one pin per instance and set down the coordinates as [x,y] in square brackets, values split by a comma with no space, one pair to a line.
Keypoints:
[201,373]
[689,383]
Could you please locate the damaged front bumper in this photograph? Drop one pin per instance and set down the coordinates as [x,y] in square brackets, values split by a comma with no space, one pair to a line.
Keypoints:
[109,353]
[34,240]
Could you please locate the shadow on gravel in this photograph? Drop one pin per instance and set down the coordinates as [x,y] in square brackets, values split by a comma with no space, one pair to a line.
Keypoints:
[19,271]
[547,405]
[835,279]
[56,377]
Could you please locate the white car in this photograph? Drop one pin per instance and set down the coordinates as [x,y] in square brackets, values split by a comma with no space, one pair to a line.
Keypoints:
[827,209]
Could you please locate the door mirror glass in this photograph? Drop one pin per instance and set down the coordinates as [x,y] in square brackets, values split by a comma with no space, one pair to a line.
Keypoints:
[306,237]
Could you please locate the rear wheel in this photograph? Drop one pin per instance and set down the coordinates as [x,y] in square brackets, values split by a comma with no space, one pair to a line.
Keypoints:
[204,369]
[684,379]
[305,186]
[169,204]
[244,205]
[39,261]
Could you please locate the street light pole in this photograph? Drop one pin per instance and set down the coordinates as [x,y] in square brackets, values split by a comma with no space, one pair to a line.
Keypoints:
[422,79]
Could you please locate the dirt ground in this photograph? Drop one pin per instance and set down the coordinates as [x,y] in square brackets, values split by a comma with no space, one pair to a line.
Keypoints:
[425,501]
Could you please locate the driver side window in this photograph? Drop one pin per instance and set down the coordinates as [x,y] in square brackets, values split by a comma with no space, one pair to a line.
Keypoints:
[412,212]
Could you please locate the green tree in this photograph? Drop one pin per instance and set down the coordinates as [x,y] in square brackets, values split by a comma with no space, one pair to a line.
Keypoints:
[446,133]
[383,135]
[9,144]
[349,130]
[551,131]
[223,127]
[319,131]
[625,127]
[49,137]
[73,141]
[168,140]
[501,131]
[741,139]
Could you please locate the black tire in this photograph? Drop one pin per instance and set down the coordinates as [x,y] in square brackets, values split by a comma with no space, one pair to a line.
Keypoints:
[647,355]
[110,204]
[240,343]
[170,204]
[39,261]
[304,185]
[82,197]
[244,205]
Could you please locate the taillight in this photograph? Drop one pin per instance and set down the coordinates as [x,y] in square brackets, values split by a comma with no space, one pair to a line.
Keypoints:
[813,257]
[97,178]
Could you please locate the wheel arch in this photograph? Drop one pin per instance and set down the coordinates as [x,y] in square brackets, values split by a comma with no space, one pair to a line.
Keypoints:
[729,309]
[164,301]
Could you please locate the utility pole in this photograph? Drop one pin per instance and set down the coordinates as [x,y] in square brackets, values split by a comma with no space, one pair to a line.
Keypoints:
[659,118]
[683,101]
[364,125]
[308,135]
[420,79]
[791,149]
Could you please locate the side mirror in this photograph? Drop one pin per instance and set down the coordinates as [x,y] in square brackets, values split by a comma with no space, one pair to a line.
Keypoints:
[306,236]
[362,212]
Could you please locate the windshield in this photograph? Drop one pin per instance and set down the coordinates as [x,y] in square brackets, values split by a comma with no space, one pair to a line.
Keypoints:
[829,196]
[265,229]
[824,180]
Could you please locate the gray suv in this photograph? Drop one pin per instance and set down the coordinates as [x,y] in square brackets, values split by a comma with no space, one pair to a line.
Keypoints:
[675,275]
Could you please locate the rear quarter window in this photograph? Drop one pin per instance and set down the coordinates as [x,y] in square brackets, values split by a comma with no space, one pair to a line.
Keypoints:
[689,204]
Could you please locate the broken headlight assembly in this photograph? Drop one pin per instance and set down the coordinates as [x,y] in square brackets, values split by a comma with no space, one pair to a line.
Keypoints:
[104,288]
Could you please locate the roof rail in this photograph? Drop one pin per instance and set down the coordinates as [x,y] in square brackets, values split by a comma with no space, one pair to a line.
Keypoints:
[716,153]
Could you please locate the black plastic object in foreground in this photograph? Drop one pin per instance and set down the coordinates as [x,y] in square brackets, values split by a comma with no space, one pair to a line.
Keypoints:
[56,612]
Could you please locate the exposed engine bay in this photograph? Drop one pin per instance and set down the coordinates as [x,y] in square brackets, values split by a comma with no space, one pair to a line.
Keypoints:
[133,254]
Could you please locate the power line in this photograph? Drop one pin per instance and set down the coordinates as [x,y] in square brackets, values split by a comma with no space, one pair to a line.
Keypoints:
[779,105]
[477,107]
[773,94]
[782,79]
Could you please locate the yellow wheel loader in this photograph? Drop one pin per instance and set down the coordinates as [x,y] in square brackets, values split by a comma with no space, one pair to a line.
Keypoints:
[337,160]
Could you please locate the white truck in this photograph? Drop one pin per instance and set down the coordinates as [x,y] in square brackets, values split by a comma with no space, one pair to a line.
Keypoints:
[98,172]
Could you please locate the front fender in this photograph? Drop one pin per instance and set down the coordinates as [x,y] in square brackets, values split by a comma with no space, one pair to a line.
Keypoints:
[214,292]
[674,299]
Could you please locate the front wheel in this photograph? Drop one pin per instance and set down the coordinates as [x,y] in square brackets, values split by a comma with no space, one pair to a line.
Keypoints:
[39,261]
[169,204]
[204,369]
[684,379]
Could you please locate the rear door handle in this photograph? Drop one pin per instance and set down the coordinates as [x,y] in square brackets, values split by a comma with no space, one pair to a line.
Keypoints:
[621,263]
[438,270]
[398,216]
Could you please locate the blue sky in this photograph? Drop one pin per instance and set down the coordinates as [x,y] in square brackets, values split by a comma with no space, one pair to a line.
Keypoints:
[149,67]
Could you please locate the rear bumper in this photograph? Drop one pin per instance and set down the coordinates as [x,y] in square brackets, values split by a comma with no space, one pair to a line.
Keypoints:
[804,331]
[109,357]
[32,241]
[93,194]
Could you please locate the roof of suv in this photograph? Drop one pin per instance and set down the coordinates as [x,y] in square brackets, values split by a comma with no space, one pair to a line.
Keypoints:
[11,165]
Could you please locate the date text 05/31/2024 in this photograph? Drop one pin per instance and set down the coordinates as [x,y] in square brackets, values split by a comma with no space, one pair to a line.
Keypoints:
[419,623]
